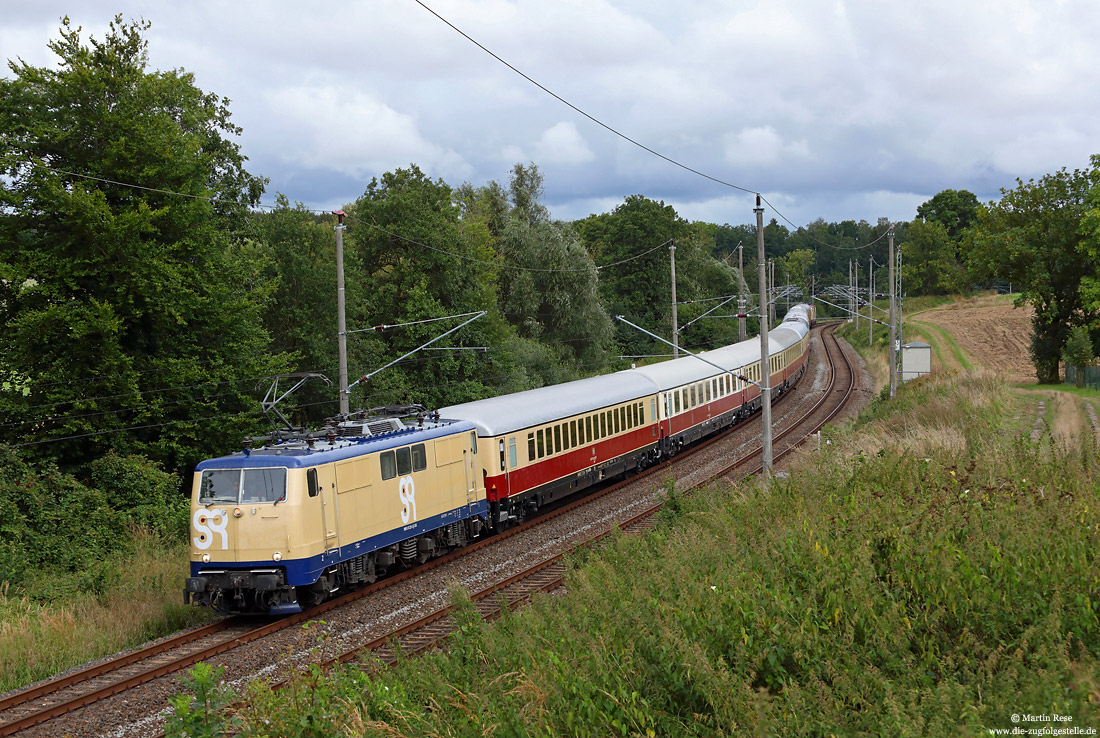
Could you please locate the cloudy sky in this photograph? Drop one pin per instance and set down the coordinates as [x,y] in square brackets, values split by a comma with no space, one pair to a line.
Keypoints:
[835,109]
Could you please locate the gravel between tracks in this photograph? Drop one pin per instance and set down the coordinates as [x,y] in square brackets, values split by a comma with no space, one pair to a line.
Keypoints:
[141,711]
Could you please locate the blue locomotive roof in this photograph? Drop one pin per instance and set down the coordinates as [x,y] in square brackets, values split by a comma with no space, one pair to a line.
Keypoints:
[296,455]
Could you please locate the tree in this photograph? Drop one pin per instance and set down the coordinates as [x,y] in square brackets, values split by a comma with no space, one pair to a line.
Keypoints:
[126,307]
[929,266]
[547,280]
[631,245]
[955,210]
[1089,247]
[1078,351]
[1032,238]
[420,261]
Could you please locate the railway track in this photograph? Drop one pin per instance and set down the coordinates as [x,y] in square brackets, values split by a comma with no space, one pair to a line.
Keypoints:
[45,702]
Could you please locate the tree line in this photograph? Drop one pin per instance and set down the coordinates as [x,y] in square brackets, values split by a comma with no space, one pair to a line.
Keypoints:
[145,296]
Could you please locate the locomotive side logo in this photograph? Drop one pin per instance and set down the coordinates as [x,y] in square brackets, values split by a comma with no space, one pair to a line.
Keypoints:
[407,492]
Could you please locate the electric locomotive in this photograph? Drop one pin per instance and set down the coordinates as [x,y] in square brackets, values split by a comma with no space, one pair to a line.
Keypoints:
[284,526]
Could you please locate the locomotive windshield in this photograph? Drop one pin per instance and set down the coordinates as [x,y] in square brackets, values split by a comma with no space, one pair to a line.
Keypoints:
[242,486]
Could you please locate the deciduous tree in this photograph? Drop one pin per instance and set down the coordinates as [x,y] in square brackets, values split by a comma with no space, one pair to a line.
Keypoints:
[128,300]
[1032,238]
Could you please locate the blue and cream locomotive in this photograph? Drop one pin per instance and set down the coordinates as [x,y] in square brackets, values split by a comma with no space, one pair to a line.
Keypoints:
[278,528]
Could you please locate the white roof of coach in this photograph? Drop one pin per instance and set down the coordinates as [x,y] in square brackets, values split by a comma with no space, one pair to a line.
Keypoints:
[688,369]
[496,416]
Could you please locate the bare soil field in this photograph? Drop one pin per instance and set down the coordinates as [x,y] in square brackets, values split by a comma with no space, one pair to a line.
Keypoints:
[991,331]
[995,336]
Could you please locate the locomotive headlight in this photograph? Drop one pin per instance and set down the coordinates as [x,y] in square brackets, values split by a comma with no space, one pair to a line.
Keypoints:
[277,556]
[236,512]
[206,558]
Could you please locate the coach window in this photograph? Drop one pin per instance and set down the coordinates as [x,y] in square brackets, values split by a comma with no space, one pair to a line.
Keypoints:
[573,432]
[512,453]
[565,437]
[502,454]
[530,446]
[692,396]
[388,462]
[603,425]
[616,417]
[677,398]
[707,390]
[557,438]
[420,458]
[541,443]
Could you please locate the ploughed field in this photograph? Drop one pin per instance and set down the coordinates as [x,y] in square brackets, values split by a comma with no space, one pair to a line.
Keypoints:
[994,334]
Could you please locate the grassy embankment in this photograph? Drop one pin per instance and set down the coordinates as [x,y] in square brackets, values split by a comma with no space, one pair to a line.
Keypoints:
[39,638]
[87,568]
[930,571]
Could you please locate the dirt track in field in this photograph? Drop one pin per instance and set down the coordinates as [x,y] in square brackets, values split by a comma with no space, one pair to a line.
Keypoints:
[993,334]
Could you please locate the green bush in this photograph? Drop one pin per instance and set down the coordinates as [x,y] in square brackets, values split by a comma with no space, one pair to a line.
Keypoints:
[142,492]
[50,521]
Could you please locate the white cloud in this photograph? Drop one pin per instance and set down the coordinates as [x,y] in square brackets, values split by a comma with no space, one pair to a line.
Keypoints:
[834,106]
[562,144]
[763,145]
[354,133]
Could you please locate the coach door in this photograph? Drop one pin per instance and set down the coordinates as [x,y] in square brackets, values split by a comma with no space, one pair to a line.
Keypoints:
[326,489]
[504,467]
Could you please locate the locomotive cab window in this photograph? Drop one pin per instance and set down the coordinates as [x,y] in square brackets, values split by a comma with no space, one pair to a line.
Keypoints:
[219,485]
[242,485]
[419,458]
[311,482]
[263,485]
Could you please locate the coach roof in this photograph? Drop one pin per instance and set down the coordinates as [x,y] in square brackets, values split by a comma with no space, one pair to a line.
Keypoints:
[496,416]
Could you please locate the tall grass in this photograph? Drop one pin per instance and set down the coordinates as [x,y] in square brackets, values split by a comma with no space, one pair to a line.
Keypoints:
[141,600]
[928,572]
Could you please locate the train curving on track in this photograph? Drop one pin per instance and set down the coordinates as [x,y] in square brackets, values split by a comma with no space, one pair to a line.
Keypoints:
[282,527]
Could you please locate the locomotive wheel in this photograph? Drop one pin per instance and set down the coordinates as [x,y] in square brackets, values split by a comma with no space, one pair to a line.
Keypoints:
[310,596]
